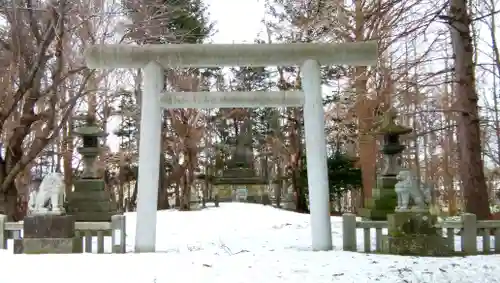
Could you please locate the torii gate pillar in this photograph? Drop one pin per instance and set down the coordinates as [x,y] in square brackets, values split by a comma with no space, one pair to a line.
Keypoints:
[149,158]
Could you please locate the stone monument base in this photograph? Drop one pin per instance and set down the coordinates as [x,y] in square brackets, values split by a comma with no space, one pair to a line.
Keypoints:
[48,234]
[374,213]
[47,246]
[90,202]
[416,245]
[414,233]
[383,202]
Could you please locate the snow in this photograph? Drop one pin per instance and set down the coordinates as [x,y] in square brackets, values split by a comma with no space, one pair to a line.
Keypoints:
[239,243]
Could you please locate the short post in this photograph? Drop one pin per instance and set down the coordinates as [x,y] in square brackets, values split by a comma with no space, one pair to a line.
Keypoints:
[118,234]
[149,158]
[317,171]
[349,232]
[469,235]
[16,235]
[78,242]
[3,234]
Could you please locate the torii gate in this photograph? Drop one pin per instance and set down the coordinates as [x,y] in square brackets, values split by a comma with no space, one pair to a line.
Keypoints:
[153,58]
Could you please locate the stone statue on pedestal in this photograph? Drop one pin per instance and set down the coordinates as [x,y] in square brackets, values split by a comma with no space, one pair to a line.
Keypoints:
[48,231]
[413,231]
[407,188]
[51,189]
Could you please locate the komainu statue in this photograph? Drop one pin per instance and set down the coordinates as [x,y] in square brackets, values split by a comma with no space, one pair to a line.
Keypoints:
[407,188]
[51,190]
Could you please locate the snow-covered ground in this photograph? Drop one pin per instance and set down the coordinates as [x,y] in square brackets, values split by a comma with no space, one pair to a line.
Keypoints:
[242,243]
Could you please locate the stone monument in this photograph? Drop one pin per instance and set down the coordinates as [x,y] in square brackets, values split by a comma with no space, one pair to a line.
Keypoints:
[90,201]
[240,173]
[47,230]
[384,197]
[412,230]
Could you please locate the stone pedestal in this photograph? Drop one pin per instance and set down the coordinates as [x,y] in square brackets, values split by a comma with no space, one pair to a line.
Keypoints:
[47,234]
[90,202]
[383,201]
[414,233]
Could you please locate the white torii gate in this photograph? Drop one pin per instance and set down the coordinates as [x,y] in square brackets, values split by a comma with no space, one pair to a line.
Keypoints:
[153,58]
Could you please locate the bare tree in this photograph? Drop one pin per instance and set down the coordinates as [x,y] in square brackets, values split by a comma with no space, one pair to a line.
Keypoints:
[33,99]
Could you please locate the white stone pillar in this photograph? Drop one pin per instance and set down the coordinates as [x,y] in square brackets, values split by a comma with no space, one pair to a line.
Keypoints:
[149,159]
[317,173]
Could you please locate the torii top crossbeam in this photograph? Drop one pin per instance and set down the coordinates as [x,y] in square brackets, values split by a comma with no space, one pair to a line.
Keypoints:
[215,55]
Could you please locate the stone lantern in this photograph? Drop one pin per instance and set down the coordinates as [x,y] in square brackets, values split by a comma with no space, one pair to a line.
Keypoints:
[384,198]
[90,134]
[392,147]
[90,201]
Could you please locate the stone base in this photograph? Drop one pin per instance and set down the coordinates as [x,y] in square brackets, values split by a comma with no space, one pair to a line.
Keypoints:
[49,226]
[85,185]
[92,216]
[374,214]
[78,196]
[414,233]
[383,202]
[46,246]
[411,223]
[90,202]
[416,245]
[47,234]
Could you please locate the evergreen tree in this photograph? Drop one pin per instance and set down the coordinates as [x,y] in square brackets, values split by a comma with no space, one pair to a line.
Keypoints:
[168,21]
[343,176]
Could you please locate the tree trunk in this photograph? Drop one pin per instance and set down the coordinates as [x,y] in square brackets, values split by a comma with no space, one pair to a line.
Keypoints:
[14,153]
[67,153]
[471,164]
[8,198]
[162,190]
[364,112]
[296,163]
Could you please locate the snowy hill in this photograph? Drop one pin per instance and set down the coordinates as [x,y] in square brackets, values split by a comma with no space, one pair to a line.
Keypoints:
[242,243]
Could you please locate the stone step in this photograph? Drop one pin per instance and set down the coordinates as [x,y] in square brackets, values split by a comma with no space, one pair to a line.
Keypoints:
[89,205]
[88,185]
[94,233]
[89,195]
[46,246]
[91,216]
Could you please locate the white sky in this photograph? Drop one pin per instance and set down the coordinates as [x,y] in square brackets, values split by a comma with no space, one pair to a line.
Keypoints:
[237,21]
